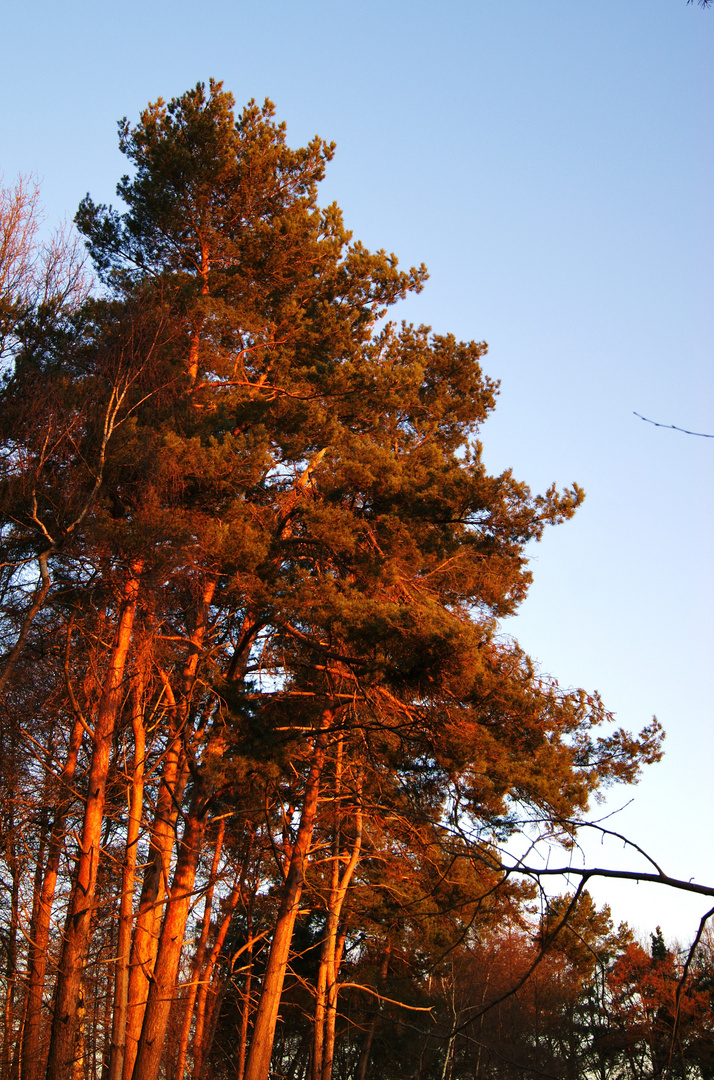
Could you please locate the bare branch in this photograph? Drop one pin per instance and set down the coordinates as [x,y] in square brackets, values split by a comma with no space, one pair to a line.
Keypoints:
[673,427]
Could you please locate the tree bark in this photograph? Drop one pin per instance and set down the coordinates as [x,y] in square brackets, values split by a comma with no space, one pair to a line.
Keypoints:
[245,1019]
[258,1065]
[79,914]
[136,797]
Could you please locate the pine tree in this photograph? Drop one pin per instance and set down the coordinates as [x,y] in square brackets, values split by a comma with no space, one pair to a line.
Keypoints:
[278,561]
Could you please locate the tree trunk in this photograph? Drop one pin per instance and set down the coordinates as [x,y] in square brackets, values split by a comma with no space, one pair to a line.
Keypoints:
[331,1009]
[37,602]
[79,1039]
[261,1046]
[136,798]
[79,914]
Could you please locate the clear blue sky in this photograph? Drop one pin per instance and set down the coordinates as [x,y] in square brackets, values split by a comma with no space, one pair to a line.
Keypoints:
[551,161]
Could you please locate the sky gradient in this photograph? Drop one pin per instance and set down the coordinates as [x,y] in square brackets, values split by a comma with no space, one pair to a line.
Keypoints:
[551,163]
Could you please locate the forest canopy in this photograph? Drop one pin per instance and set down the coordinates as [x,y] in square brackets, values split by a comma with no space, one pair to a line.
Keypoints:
[263,744]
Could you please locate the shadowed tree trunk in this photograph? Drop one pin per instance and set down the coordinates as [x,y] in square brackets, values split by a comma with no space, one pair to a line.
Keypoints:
[201,1038]
[11,946]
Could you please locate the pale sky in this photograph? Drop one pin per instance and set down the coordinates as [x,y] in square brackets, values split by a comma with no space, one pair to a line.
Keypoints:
[551,162]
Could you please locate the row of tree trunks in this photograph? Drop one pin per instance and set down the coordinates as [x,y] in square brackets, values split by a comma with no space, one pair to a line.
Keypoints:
[155,975]
[81,905]
[42,915]
[154,890]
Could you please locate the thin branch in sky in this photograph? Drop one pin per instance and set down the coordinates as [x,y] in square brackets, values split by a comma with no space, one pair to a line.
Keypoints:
[699,434]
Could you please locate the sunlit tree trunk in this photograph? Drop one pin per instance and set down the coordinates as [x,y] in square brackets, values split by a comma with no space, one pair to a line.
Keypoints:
[79,914]
[258,1065]
[136,796]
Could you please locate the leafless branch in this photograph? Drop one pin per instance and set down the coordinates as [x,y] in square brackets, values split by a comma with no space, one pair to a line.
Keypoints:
[673,427]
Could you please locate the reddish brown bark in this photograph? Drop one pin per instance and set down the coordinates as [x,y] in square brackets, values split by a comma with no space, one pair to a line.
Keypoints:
[136,795]
[261,1047]
[79,914]
[245,1019]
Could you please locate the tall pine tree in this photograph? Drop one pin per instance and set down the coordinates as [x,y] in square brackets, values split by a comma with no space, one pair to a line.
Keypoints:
[278,561]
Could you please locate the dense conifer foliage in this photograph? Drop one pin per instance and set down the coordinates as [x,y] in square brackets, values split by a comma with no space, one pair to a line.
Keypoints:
[262,742]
